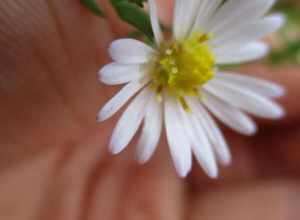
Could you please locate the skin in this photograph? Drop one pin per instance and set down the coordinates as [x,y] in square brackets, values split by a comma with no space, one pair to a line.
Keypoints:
[54,163]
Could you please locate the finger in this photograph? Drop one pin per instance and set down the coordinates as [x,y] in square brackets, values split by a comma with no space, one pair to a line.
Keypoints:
[138,192]
[278,152]
[243,167]
[153,192]
[259,201]
[71,178]
[22,187]
[48,83]
[100,186]
[53,185]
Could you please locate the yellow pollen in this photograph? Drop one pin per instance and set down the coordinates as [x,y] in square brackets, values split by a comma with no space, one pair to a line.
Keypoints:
[182,67]
[169,52]
[174,70]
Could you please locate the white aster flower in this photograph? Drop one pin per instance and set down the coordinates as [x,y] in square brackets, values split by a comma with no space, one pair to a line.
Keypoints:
[176,83]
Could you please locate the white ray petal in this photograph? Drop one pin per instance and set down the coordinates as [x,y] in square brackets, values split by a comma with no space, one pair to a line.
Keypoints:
[178,142]
[200,144]
[177,20]
[115,73]
[247,100]
[244,34]
[261,86]
[229,115]
[212,130]
[151,130]
[249,52]
[226,17]
[120,99]
[155,21]
[130,51]
[185,12]
[129,122]
[206,10]
[203,150]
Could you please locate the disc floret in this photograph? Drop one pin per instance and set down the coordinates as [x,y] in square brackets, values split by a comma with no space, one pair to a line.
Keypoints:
[182,67]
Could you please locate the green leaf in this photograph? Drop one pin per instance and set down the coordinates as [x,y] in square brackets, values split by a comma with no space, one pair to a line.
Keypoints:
[93,6]
[135,34]
[132,14]
[288,54]
[287,37]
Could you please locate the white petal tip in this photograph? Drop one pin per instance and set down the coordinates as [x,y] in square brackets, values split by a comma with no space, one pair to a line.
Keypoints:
[214,175]
[280,19]
[115,147]
[110,49]
[212,171]
[100,74]
[114,151]
[280,92]
[142,160]
[99,120]
[182,172]
[129,51]
[103,80]
[100,117]
[251,130]
[226,161]
[278,113]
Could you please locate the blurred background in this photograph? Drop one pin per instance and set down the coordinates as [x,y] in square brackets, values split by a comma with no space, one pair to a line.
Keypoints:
[286,43]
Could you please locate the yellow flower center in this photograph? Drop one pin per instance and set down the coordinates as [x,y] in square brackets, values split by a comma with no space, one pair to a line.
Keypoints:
[182,67]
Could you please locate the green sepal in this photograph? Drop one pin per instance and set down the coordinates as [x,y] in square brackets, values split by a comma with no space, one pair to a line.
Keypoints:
[133,14]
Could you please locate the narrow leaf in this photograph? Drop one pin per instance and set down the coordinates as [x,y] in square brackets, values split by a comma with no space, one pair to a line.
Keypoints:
[138,2]
[132,14]
[93,6]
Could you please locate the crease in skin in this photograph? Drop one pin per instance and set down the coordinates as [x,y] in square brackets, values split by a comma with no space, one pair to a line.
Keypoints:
[21,35]
[68,62]
[60,31]
[232,202]
[71,56]
[79,124]
[13,36]
[19,200]
[92,183]
[36,61]
[154,189]
[11,32]
[55,70]
[69,178]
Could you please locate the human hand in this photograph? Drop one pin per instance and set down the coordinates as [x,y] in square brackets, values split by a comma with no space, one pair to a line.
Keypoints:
[53,161]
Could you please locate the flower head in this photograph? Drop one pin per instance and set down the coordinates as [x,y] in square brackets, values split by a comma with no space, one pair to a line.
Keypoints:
[176,84]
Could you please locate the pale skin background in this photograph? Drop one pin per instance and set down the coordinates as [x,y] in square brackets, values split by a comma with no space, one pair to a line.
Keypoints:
[53,160]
